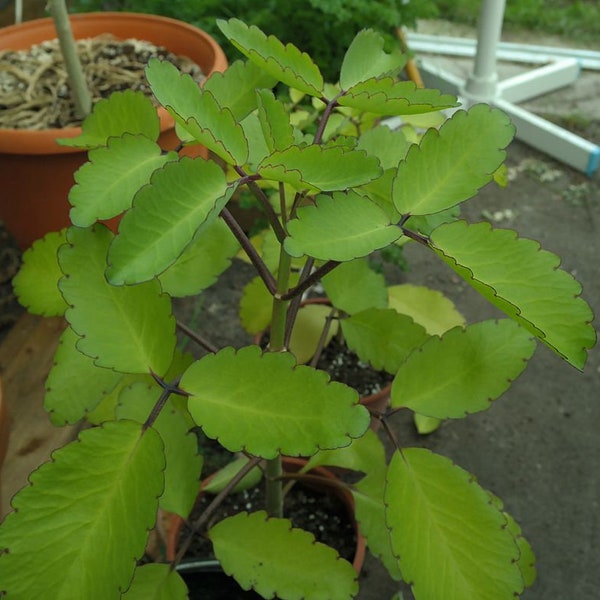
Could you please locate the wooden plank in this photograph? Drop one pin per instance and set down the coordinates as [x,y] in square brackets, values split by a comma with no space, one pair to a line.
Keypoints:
[26,356]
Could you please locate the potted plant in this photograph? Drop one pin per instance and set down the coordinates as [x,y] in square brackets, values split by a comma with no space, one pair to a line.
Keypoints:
[36,171]
[339,199]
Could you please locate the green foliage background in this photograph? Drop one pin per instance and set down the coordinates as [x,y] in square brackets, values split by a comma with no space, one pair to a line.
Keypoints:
[323,28]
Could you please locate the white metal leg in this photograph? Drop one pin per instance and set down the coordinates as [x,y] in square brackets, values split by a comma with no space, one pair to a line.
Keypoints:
[482,85]
[531,54]
[539,81]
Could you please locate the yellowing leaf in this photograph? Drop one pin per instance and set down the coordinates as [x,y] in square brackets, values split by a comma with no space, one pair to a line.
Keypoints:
[428,307]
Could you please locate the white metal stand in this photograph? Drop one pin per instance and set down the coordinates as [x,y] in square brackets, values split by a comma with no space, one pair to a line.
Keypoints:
[483,86]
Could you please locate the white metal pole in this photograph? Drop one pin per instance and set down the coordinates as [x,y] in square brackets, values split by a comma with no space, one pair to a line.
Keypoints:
[18,11]
[481,84]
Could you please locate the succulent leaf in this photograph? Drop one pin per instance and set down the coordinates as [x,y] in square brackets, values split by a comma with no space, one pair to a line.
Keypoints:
[522,280]
[129,329]
[105,186]
[284,62]
[451,164]
[275,559]
[428,501]
[236,397]
[107,471]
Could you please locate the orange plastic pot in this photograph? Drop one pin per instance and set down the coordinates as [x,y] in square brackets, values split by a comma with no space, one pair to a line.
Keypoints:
[291,465]
[36,172]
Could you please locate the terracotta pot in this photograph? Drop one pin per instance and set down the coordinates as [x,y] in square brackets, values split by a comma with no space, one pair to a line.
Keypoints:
[36,172]
[291,465]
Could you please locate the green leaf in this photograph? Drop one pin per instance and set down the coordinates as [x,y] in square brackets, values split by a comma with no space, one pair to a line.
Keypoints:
[75,385]
[236,87]
[323,168]
[425,224]
[354,286]
[278,560]
[464,370]
[428,307]
[36,283]
[106,409]
[197,112]
[526,555]
[370,512]
[366,58]
[105,185]
[387,96]
[122,112]
[382,337]
[129,329]
[255,306]
[201,263]
[155,581]
[164,218]
[452,543]
[236,397]
[274,121]
[426,425]
[366,455]
[184,465]
[388,145]
[451,164]
[64,524]
[173,89]
[309,326]
[341,228]
[522,280]
[217,130]
[257,146]
[219,480]
[286,63]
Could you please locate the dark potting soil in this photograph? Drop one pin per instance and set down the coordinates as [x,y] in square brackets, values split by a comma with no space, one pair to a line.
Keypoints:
[318,512]
[314,510]
[213,584]
[344,366]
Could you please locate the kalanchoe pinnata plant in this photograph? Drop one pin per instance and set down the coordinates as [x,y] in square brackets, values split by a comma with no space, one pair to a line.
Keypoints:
[81,524]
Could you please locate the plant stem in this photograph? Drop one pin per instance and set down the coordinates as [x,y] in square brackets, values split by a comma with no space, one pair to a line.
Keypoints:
[196,337]
[294,306]
[274,489]
[249,249]
[265,203]
[310,280]
[323,337]
[280,305]
[210,509]
[79,88]
[322,124]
